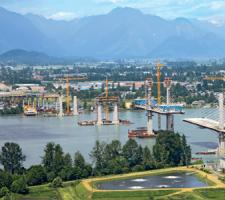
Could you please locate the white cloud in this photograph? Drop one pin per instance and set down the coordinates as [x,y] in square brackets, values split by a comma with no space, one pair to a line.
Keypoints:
[67,16]
[217,5]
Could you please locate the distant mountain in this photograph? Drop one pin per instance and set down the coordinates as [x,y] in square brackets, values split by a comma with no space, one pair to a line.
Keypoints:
[122,33]
[19,56]
[25,57]
[19,32]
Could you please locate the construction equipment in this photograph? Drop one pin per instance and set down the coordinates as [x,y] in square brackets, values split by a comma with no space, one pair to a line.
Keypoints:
[107,95]
[158,68]
[68,79]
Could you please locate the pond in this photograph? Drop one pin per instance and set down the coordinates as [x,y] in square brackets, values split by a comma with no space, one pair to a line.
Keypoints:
[167,180]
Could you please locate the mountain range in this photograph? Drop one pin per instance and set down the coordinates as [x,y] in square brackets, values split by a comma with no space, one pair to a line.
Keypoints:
[122,33]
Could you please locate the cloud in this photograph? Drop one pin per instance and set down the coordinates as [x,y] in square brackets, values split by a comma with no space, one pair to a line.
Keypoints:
[67,16]
[217,5]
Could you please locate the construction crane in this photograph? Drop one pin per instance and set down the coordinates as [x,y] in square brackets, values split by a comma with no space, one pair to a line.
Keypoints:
[106,99]
[107,95]
[158,68]
[68,79]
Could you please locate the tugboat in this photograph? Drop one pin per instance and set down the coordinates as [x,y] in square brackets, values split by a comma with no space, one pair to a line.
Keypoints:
[30,111]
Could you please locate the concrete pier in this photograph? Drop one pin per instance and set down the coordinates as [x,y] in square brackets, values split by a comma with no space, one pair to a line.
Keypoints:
[149,123]
[60,106]
[75,106]
[99,114]
[170,122]
[116,114]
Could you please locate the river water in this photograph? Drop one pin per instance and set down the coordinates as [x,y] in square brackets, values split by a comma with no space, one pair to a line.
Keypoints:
[32,133]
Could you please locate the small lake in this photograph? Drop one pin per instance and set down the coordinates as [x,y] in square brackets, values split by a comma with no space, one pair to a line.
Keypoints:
[169,180]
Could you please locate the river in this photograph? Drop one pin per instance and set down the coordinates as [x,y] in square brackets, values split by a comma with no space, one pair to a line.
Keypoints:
[32,133]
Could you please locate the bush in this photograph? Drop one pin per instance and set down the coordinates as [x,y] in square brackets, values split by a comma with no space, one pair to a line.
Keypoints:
[36,175]
[5,179]
[4,191]
[57,182]
[51,176]
[20,186]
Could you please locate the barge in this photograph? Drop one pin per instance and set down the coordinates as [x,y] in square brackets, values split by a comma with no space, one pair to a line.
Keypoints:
[140,133]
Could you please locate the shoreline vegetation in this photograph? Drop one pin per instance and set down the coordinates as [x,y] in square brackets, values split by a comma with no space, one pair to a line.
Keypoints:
[170,150]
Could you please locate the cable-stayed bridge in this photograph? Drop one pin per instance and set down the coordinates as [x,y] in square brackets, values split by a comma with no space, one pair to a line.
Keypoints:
[214,121]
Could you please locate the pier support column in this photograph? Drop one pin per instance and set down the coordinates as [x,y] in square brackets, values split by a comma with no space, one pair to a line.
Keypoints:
[116,114]
[149,123]
[159,122]
[75,107]
[170,122]
[99,114]
[221,148]
[61,106]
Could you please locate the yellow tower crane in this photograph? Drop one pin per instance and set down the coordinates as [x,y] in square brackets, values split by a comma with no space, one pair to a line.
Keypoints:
[158,75]
[68,79]
[106,96]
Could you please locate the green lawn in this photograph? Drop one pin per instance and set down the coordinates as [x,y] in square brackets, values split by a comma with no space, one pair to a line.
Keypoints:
[131,195]
[76,191]
[40,193]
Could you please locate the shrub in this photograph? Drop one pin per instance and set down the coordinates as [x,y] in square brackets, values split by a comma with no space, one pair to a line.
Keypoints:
[20,186]
[4,191]
[57,182]
[36,175]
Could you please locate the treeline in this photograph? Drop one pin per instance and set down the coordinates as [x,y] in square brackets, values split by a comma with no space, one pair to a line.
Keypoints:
[170,149]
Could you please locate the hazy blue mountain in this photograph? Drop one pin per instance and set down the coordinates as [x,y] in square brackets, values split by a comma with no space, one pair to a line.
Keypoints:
[20,56]
[25,57]
[16,31]
[124,32]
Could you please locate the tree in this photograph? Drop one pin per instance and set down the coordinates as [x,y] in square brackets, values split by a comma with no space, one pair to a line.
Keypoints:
[130,152]
[81,169]
[186,153]
[148,160]
[112,150]
[68,162]
[79,160]
[12,158]
[48,159]
[58,161]
[20,186]
[169,149]
[36,175]
[97,156]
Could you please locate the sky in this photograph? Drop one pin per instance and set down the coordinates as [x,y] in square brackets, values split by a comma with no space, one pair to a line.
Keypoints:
[210,10]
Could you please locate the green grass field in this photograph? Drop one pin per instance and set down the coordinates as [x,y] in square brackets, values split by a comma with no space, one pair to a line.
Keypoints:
[78,192]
